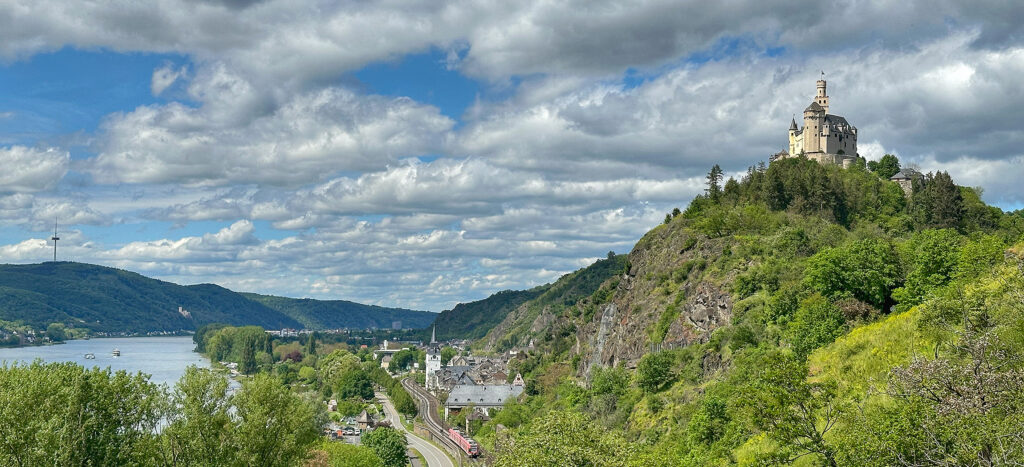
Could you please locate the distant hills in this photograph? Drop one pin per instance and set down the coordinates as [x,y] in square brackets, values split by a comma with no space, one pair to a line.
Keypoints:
[519,308]
[333,314]
[104,299]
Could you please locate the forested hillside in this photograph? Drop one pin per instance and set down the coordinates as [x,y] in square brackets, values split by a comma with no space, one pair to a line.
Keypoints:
[472,320]
[102,299]
[112,300]
[509,308]
[334,314]
[804,314]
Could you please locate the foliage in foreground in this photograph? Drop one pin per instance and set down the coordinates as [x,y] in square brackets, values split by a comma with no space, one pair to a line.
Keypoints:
[389,445]
[63,414]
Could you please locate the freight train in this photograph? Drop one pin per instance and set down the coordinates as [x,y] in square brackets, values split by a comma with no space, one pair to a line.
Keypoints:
[466,443]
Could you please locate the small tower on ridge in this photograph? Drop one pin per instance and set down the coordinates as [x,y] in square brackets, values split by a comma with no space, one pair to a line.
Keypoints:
[55,238]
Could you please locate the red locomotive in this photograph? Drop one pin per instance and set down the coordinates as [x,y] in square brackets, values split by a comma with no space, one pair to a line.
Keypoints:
[467,444]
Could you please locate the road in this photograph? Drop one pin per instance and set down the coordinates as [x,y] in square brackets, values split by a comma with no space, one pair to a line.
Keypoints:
[435,456]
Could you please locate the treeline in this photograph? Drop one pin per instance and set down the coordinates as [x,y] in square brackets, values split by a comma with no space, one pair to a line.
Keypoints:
[846,197]
[249,346]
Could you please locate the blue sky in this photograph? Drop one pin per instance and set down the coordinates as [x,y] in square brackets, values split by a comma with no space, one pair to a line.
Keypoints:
[420,154]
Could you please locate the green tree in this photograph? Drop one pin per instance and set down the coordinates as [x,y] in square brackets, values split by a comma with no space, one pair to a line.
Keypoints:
[335,364]
[310,348]
[389,445]
[937,202]
[307,373]
[447,354]
[199,431]
[885,167]
[816,323]
[714,180]
[654,371]
[354,383]
[778,400]
[63,414]
[55,331]
[402,400]
[275,426]
[865,270]
[932,258]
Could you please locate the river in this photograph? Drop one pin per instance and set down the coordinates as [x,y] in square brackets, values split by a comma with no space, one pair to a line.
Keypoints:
[164,358]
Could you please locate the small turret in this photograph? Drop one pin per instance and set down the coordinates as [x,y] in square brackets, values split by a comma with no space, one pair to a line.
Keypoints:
[792,124]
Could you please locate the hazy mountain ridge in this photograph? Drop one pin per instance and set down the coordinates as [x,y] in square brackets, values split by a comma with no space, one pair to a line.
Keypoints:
[104,299]
[333,314]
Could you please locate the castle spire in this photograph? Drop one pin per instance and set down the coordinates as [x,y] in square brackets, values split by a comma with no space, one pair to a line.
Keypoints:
[792,124]
[433,335]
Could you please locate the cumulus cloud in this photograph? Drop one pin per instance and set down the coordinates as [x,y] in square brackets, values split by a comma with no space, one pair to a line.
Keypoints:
[29,169]
[444,191]
[237,136]
[308,40]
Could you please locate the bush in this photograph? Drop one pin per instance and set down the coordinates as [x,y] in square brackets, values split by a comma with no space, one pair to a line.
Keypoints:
[654,371]
[863,269]
[816,323]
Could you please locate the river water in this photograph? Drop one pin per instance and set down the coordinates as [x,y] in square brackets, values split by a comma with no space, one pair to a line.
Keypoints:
[164,358]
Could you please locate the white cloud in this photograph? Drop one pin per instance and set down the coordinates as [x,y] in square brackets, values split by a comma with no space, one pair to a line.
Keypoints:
[237,136]
[29,169]
[164,77]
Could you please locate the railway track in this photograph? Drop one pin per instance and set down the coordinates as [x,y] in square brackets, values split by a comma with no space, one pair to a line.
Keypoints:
[429,406]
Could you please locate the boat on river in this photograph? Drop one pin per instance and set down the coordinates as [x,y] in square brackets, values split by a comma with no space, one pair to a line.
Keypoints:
[90,356]
[117,353]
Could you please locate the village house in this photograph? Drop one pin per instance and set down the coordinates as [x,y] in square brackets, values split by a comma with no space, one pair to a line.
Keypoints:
[484,397]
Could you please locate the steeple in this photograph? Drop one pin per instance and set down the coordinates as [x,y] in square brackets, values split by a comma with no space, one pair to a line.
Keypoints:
[433,335]
[792,124]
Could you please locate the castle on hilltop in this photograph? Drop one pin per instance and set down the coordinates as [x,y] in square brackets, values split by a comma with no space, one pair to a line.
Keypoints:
[826,138]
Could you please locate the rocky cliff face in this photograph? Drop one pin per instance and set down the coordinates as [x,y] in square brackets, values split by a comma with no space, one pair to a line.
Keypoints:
[665,287]
[665,298]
